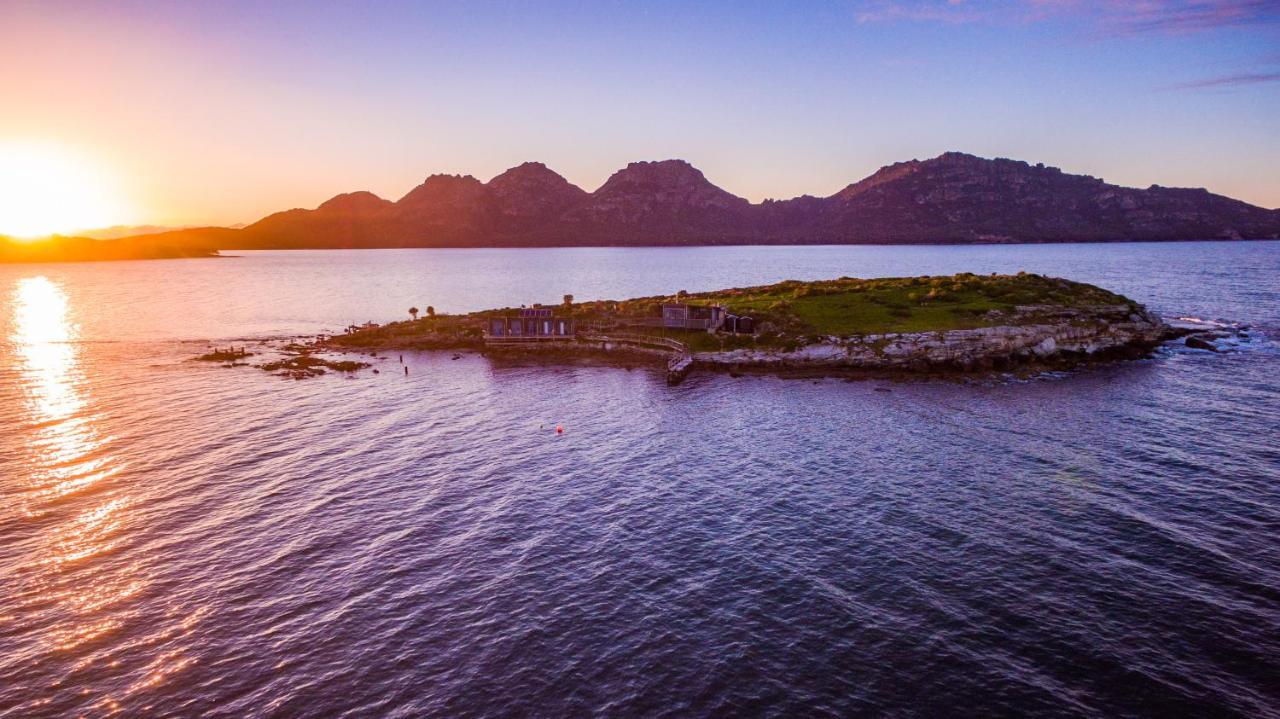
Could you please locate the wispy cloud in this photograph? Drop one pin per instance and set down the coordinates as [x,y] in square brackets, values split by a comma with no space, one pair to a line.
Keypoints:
[1254,78]
[1189,16]
[1112,17]
[942,11]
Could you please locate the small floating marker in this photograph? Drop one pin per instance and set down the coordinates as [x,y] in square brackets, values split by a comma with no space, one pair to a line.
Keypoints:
[559,429]
[406,369]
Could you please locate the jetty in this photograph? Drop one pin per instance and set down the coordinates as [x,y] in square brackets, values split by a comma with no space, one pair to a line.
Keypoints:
[679,357]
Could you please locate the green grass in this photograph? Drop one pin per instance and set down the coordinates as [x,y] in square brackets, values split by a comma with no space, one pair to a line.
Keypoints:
[903,304]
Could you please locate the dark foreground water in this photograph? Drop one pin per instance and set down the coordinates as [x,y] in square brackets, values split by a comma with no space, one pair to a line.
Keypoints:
[178,539]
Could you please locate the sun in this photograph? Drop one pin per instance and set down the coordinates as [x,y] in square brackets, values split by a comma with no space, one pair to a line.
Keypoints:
[46,188]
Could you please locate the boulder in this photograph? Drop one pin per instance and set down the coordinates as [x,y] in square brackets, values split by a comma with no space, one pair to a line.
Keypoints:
[1046,347]
[1200,343]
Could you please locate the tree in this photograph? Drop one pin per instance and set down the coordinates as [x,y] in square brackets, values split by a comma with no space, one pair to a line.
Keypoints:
[431,311]
[568,300]
[413,312]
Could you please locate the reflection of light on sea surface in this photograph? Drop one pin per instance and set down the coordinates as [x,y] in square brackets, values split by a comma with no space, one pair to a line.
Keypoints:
[89,533]
[73,582]
[43,337]
[61,449]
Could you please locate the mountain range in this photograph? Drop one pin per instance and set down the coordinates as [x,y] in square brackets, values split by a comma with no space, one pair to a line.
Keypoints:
[954,198]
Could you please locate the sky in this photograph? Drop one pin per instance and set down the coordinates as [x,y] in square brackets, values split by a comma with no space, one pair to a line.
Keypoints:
[220,113]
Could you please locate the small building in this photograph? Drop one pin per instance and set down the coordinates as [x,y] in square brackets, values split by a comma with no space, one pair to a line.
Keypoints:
[710,318]
[530,324]
[692,317]
[738,325]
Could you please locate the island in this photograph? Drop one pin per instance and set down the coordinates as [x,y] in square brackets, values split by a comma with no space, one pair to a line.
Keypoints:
[957,323]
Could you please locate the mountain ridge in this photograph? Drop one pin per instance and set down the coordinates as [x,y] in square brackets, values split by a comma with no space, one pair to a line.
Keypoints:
[954,198]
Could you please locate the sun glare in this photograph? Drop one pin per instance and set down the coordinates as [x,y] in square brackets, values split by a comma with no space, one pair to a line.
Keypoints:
[47,189]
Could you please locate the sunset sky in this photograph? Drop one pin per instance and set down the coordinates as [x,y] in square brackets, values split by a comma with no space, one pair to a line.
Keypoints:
[195,113]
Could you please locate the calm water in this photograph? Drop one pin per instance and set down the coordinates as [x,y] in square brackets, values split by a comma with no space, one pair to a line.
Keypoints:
[178,539]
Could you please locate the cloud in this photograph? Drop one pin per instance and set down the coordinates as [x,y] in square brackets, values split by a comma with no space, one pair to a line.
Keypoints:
[1254,78]
[941,11]
[1113,17]
[1175,17]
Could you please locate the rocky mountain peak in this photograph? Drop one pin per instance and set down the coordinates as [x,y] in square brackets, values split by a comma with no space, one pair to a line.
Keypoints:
[533,190]
[527,172]
[442,187]
[360,201]
[663,173]
[531,175]
[886,174]
[667,182]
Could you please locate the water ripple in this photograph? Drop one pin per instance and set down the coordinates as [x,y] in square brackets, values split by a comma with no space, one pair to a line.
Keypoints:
[184,540]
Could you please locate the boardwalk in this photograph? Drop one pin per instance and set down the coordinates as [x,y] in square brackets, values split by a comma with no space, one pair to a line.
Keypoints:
[678,365]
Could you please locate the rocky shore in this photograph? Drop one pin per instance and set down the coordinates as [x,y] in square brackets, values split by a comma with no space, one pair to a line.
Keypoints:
[1048,336]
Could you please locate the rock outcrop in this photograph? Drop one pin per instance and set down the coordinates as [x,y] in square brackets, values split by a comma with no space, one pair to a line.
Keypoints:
[531,198]
[668,202]
[1037,337]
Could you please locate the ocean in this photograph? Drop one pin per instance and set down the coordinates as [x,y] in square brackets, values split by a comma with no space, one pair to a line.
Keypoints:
[180,539]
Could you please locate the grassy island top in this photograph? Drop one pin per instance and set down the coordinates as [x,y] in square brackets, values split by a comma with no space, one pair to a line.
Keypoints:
[791,310]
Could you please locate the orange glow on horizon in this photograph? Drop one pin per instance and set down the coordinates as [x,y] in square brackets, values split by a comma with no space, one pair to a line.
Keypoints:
[46,188]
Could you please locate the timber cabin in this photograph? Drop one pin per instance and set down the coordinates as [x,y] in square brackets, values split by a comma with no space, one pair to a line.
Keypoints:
[530,324]
[691,317]
[704,317]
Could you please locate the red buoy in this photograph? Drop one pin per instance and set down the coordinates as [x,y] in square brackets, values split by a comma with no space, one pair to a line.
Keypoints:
[559,429]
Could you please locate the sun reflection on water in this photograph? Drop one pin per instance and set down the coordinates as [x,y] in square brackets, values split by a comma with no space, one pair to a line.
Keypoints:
[76,589]
[44,336]
[63,442]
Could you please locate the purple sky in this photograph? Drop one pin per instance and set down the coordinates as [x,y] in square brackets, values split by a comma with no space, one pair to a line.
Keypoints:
[223,112]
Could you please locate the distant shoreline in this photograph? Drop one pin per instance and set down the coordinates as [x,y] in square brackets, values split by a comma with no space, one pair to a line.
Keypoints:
[9,254]
[26,252]
[59,249]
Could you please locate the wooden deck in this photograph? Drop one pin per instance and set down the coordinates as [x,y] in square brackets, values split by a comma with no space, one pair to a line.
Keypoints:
[678,368]
[678,364]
